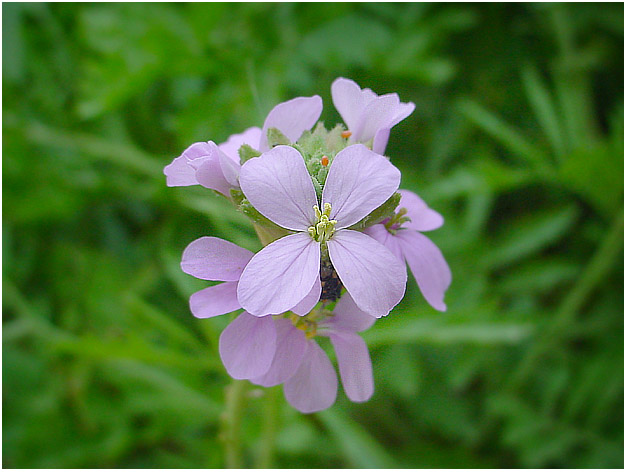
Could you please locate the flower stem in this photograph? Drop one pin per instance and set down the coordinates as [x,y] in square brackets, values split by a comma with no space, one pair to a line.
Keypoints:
[232,423]
[265,456]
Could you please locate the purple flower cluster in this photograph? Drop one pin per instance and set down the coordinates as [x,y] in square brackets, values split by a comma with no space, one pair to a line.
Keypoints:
[341,234]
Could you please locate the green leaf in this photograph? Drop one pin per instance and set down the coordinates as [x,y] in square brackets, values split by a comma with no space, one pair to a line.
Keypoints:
[544,109]
[436,331]
[509,137]
[530,235]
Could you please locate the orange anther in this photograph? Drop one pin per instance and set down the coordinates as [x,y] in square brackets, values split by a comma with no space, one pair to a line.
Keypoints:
[324,161]
[346,134]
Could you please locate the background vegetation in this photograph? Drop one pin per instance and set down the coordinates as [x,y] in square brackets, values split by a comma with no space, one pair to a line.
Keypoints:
[517,139]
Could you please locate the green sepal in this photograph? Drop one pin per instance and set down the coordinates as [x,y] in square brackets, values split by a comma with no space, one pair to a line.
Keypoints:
[275,137]
[317,188]
[386,210]
[251,212]
[314,142]
[247,152]
[334,140]
[321,176]
[237,196]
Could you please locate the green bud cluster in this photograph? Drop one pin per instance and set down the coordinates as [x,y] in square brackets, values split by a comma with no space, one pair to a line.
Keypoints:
[318,148]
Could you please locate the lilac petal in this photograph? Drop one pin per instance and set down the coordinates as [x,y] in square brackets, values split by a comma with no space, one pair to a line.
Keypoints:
[380,141]
[428,266]
[179,173]
[215,301]
[381,234]
[278,185]
[355,366]
[422,217]
[382,135]
[251,136]
[199,150]
[279,276]
[292,118]
[314,385]
[359,181]
[373,276]
[291,345]
[377,114]
[247,346]
[230,169]
[350,100]
[209,174]
[216,171]
[348,317]
[310,301]
[402,112]
[210,258]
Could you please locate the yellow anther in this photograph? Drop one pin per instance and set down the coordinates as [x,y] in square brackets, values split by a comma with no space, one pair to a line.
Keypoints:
[327,209]
[324,228]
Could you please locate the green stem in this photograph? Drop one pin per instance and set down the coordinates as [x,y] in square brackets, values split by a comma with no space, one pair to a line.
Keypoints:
[601,263]
[232,423]
[270,425]
[235,394]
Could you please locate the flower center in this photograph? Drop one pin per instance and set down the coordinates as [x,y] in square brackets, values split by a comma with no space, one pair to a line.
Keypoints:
[309,323]
[396,222]
[324,228]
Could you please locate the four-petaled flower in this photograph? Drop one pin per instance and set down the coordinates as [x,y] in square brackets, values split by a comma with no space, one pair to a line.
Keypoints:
[282,350]
[217,166]
[401,234]
[367,115]
[286,272]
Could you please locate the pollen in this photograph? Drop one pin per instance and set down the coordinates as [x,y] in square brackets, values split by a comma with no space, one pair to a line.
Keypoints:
[346,134]
[324,161]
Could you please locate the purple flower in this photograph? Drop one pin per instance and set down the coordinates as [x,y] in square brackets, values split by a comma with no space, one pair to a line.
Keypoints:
[210,258]
[401,235]
[367,115]
[272,351]
[286,272]
[217,166]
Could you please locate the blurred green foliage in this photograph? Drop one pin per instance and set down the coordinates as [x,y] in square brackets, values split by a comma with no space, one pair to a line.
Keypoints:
[517,139]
